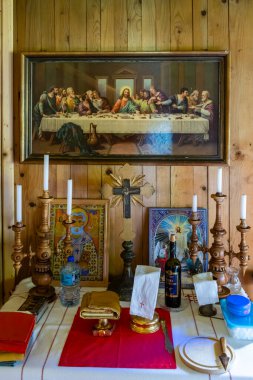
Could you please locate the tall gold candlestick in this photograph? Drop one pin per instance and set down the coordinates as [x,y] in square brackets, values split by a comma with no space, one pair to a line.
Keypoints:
[242,255]
[194,246]
[68,246]
[18,254]
[42,275]
[217,263]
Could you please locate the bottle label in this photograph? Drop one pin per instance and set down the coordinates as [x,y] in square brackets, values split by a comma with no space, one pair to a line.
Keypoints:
[172,284]
[69,279]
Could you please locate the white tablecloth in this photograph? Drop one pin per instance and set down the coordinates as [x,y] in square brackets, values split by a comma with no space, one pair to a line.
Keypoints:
[131,123]
[52,330]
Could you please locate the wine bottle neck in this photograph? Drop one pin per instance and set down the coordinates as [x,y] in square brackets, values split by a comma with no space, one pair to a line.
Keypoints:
[172,249]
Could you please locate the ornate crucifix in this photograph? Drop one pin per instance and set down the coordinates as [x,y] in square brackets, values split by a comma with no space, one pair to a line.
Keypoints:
[126,191]
[126,187]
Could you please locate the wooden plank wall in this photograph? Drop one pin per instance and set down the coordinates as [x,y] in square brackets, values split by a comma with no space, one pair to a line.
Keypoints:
[143,25]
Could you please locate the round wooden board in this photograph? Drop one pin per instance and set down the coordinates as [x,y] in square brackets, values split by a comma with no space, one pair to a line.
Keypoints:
[202,354]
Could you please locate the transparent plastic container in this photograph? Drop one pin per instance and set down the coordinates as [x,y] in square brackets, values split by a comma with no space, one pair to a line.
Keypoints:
[238,327]
[70,283]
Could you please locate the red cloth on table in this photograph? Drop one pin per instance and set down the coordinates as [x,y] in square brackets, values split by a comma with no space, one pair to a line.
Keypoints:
[124,349]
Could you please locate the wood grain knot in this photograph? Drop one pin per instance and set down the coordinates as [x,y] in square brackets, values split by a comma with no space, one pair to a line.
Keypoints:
[203,188]
[22,175]
[108,171]
[203,12]
[32,204]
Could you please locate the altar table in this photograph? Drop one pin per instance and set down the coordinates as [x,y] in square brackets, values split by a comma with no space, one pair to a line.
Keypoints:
[126,123]
[52,330]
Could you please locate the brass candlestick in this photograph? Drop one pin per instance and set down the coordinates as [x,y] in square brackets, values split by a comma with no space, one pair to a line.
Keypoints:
[217,262]
[68,247]
[242,255]
[42,274]
[18,255]
[194,246]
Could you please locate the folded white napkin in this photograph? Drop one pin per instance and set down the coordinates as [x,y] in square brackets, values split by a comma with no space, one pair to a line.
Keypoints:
[145,290]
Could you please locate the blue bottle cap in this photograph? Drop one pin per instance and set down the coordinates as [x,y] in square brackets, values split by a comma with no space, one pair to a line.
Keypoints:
[71,259]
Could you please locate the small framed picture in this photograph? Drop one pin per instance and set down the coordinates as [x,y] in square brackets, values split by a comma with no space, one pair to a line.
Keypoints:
[166,221]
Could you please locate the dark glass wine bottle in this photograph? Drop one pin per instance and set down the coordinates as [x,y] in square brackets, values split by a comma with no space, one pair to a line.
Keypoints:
[172,277]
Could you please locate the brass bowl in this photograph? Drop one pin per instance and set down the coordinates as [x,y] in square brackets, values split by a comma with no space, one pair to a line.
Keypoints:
[143,325]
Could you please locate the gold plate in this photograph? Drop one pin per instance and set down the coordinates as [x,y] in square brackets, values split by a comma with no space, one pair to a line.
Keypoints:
[202,354]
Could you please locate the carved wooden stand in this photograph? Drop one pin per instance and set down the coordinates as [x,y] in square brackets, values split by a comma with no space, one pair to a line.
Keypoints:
[127,279]
[42,274]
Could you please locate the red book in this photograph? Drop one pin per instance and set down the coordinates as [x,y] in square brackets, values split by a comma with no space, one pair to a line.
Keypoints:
[15,331]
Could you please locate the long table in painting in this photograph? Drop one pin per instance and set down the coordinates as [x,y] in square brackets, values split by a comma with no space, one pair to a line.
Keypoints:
[137,123]
[52,330]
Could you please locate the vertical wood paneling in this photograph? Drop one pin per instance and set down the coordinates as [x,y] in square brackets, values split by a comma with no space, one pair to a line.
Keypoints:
[47,23]
[212,188]
[218,37]
[241,174]
[107,25]
[134,25]
[200,17]
[162,22]
[7,156]
[148,25]
[62,31]
[94,181]
[200,185]
[79,175]
[182,186]
[1,226]
[77,25]
[93,25]
[150,177]
[33,25]
[62,175]
[120,18]
[163,191]
[181,25]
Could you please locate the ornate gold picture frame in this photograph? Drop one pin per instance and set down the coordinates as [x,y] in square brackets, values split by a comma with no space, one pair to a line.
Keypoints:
[166,106]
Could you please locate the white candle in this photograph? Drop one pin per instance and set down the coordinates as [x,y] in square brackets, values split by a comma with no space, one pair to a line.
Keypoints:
[219,180]
[243,206]
[69,197]
[46,171]
[19,204]
[194,203]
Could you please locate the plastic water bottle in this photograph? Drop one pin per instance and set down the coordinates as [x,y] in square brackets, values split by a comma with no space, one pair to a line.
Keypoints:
[70,283]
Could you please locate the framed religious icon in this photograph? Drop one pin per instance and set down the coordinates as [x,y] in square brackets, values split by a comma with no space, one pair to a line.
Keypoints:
[165,221]
[89,234]
[125,106]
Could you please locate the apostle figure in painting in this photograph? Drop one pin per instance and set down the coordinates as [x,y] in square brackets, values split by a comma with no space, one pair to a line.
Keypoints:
[206,110]
[143,103]
[158,98]
[46,106]
[178,103]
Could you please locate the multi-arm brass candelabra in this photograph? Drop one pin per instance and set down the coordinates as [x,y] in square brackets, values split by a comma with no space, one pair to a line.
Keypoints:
[217,263]
[41,273]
